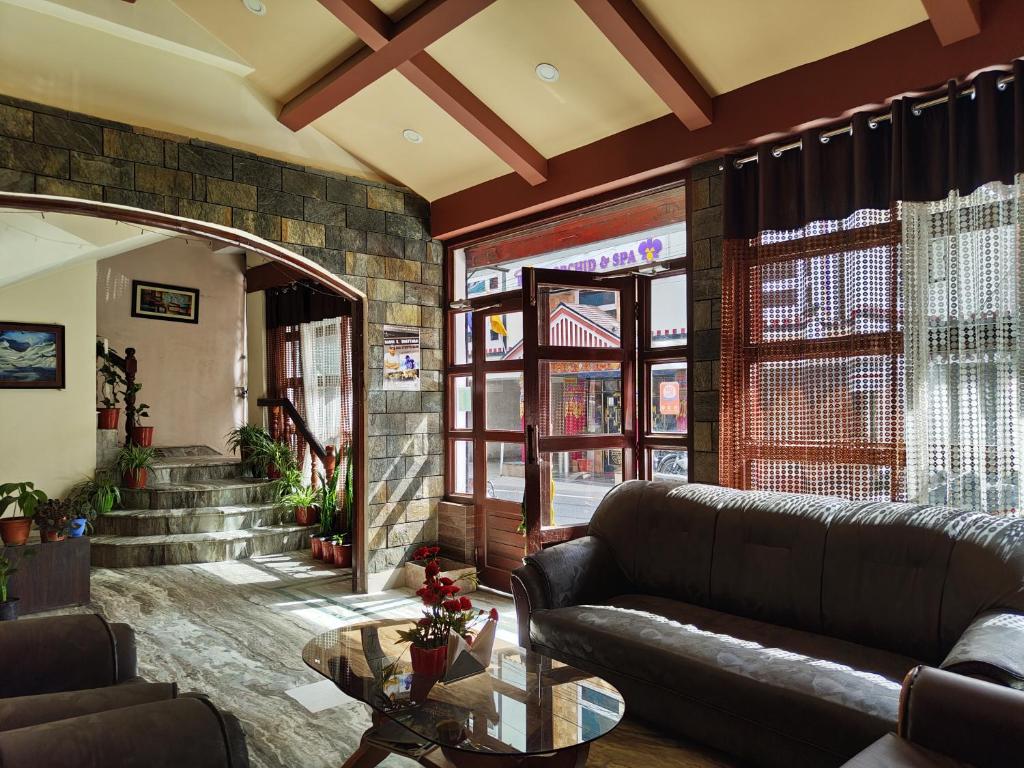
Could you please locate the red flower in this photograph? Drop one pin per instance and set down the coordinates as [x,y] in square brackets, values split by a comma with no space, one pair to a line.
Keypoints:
[452,605]
[449,590]
[493,616]
[421,554]
[426,621]
[466,603]
[433,568]
[445,581]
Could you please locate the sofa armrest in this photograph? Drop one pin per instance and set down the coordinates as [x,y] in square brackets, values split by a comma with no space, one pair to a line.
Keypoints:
[64,653]
[991,648]
[186,731]
[575,572]
[25,711]
[963,718]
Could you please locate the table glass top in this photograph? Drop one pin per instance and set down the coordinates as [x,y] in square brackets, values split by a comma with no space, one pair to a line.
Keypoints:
[524,703]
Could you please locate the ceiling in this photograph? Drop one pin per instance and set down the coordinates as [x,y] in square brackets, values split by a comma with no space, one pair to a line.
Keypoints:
[212,69]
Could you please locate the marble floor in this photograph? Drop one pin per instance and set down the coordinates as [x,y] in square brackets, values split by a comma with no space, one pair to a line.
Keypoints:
[235,631]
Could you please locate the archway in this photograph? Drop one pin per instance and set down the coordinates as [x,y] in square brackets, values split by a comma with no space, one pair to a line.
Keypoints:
[296,264]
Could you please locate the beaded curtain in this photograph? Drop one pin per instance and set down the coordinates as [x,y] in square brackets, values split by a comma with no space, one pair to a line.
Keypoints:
[963,351]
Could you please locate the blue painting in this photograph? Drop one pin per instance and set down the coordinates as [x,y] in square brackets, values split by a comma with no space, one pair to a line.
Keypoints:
[31,356]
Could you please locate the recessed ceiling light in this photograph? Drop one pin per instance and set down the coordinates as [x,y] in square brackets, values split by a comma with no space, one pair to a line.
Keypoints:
[547,72]
[256,6]
[414,137]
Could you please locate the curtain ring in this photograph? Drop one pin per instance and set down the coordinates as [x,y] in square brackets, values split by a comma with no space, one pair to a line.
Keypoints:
[823,138]
[777,152]
[1001,85]
[872,124]
[915,111]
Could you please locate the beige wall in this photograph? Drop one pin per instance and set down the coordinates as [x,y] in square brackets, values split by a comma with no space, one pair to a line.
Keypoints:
[189,372]
[256,354]
[48,436]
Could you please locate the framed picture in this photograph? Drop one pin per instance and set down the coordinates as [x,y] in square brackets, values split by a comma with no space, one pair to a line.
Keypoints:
[165,302]
[31,356]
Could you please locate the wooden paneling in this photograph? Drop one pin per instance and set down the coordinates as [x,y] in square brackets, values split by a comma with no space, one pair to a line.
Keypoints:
[50,575]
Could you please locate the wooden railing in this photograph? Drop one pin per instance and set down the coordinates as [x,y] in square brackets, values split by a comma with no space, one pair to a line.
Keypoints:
[281,407]
[130,367]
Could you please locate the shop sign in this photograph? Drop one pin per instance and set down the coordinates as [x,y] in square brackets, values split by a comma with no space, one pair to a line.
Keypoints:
[668,398]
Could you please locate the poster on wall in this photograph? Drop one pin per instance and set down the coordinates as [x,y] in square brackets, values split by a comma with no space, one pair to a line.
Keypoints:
[31,356]
[401,358]
[165,302]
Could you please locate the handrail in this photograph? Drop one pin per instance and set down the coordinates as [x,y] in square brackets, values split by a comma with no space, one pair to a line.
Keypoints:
[326,456]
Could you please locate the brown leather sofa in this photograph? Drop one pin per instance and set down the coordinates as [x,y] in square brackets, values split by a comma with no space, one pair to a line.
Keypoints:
[949,720]
[70,697]
[776,627]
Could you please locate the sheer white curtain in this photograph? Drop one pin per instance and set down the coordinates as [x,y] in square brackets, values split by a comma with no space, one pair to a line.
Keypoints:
[321,344]
[963,296]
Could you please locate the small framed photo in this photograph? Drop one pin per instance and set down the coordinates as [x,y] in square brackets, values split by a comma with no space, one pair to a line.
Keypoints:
[165,302]
[31,356]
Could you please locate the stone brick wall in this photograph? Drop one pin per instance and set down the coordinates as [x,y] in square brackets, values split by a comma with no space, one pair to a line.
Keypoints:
[373,235]
[706,229]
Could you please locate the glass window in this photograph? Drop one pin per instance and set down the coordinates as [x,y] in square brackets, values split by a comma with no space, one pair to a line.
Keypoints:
[506,471]
[668,311]
[504,398]
[579,317]
[579,480]
[504,335]
[462,404]
[462,467]
[668,398]
[584,398]
[668,465]
[462,337]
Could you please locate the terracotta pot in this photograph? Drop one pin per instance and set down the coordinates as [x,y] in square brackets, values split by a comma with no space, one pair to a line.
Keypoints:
[343,555]
[52,536]
[316,544]
[107,418]
[306,516]
[429,662]
[9,610]
[15,530]
[134,478]
[327,550]
[273,473]
[142,436]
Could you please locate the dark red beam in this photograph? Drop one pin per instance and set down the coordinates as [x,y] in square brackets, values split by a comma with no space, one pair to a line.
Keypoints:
[953,20]
[375,29]
[636,39]
[904,62]
[437,19]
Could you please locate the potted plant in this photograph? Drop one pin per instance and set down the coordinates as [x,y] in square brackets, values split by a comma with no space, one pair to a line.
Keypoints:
[301,500]
[271,459]
[141,435]
[444,613]
[244,439]
[14,530]
[342,550]
[134,463]
[52,516]
[110,413]
[89,499]
[8,604]
[327,507]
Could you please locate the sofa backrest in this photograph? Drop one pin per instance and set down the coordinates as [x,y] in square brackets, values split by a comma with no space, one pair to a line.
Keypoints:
[884,575]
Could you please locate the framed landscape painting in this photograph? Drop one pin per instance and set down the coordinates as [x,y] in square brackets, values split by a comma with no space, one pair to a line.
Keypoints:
[31,356]
[165,302]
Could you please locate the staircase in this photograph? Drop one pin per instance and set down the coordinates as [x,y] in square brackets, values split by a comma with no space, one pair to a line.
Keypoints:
[196,508]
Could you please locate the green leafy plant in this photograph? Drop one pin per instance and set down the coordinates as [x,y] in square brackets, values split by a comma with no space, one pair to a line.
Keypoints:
[22,495]
[54,516]
[289,482]
[245,437]
[91,498]
[340,539]
[272,453]
[303,496]
[7,570]
[113,377]
[135,457]
[141,409]
[327,503]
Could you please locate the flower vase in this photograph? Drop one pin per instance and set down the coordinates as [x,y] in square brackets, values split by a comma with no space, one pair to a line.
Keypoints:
[429,662]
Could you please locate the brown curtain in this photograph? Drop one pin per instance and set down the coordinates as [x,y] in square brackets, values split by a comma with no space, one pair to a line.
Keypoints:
[920,155]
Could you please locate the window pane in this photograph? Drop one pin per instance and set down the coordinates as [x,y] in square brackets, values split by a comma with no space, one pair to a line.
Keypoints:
[668,311]
[578,317]
[583,398]
[462,404]
[668,398]
[505,401]
[504,334]
[506,471]
[462,337]
[668,465]
[579,480]
[462,466]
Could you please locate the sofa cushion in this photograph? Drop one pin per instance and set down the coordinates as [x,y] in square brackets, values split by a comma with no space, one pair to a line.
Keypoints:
[662,535]
[769,549]
[884,575]
[893,752]
[23,711]
[832,694]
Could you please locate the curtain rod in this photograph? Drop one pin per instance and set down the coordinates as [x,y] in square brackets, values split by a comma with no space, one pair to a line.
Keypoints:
[872,122]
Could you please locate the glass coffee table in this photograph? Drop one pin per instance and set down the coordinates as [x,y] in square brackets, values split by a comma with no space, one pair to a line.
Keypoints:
[524,710]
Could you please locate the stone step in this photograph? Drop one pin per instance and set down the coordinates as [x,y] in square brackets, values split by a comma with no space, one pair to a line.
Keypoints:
[160,522]
[185,548]
[208,493]
[190,469]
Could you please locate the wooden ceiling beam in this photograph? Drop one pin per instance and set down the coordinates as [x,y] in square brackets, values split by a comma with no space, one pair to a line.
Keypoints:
[817,93]
[636,40]
[954,20]
[435,19]
[375,29]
